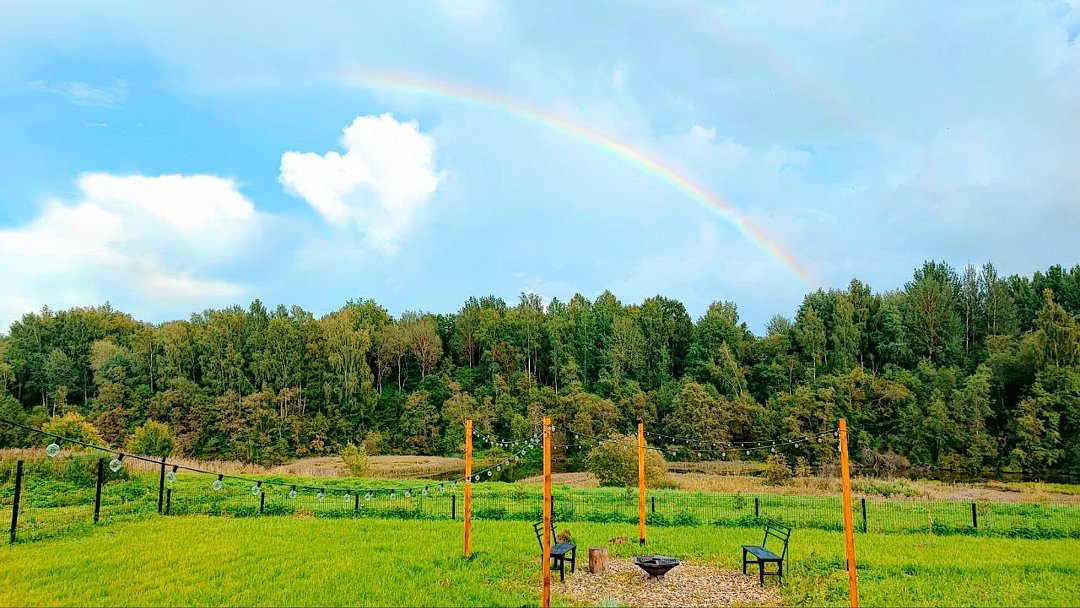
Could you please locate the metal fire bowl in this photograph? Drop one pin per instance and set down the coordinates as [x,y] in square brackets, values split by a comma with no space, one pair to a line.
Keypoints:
[655,565]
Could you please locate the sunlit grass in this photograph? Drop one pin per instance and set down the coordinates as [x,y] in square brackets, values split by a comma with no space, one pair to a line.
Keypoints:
[309,561]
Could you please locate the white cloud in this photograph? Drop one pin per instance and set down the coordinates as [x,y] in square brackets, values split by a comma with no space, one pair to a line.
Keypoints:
[82,93]
[379,184]
[154,240]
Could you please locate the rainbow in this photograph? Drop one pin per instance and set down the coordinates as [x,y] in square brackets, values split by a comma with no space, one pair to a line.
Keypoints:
[595,139]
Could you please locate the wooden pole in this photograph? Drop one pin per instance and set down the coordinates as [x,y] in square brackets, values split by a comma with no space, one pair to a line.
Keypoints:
[161,487]
[849,525]
[97,493]
[546,598]
[468,488]
[641,481]
[15,499]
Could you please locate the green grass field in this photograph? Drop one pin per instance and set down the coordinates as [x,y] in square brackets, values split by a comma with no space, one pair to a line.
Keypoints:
[198,560]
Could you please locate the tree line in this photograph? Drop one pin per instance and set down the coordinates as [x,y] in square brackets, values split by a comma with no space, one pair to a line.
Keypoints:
[957,369]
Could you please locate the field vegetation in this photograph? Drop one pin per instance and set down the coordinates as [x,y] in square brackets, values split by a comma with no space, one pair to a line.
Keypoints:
[304,561]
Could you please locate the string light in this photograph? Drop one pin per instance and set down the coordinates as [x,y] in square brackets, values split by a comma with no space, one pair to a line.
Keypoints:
[256,489]
[116,463]
[53,448]
[346,496]
[292,493]
[408,493]
[321,495]
[393,495]
[218,483]
[171,475]
[367,496]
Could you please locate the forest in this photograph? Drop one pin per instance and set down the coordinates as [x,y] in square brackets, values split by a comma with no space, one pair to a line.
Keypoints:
[960,370]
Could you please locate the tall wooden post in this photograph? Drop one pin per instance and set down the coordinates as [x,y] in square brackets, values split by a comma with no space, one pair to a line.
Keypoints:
[161,487]
[468,488]
[15,499]
[97,493]
[849,525]
[546,601]
[641,481]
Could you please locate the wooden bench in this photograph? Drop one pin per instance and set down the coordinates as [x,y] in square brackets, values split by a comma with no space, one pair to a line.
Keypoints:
[558,550]
[763,556]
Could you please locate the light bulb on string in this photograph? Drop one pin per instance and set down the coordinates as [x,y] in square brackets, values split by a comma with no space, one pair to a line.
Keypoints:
[321,495]
[116,463]
[489,472]
[453,484]
[393,495]
[367,496]
[346,496]
[442,487]
[171,475]
[774,450]
[218,484]
[256,489]
[423,492]
[53,448]
[408,493]
[498,468]
[292,493]
[747,452]
[477,477]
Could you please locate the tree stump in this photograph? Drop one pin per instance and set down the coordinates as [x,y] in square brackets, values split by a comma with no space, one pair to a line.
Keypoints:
[597,560]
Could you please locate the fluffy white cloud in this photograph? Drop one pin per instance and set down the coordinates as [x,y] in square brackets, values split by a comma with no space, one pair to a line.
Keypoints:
[379,184]
[151,240]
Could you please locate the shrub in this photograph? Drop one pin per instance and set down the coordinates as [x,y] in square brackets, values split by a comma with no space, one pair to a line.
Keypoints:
[355,459]
[777,471]
[152,439]
[73,426]
[374,444]
[615,463]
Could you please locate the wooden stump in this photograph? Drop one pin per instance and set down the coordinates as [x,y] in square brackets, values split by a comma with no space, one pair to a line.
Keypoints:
[597,559]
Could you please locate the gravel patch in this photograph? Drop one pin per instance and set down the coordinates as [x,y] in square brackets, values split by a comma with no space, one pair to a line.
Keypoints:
[689,584]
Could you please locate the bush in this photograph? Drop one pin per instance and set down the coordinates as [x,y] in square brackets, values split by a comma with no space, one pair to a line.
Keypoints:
[73,426]
[615,463]
[777,471]
[355,460]
[374,444]
[151,439]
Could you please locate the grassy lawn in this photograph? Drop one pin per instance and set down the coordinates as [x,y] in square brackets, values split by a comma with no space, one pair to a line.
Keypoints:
[310,561]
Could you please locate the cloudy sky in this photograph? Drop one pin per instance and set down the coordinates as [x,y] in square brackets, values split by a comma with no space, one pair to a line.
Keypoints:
[204,153]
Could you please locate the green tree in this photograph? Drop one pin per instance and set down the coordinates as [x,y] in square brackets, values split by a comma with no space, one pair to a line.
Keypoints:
[152,439]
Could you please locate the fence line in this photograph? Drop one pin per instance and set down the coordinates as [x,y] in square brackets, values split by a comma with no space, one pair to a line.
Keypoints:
[60,495]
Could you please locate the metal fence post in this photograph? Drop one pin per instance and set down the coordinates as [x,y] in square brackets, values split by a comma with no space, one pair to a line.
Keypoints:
[864,514]
[757,508]
[453,506]
[97,495]
[161,487]
[974,517]
[654,503]
[262,501]
[15,502]
[356,502]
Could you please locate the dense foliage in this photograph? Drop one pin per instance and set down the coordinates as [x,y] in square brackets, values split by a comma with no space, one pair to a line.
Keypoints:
[956,369]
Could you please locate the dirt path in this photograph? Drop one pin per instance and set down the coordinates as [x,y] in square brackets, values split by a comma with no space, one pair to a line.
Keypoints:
[689,584]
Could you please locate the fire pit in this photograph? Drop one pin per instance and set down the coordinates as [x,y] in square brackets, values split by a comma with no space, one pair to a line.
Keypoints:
[656,565]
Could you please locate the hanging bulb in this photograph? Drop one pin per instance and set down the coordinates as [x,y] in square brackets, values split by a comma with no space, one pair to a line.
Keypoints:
[819,439]
[477,478]
[723,454]
[116,463]
[346,496]
[256,489]
[747,452]
[171,475]
[442,487]
[53,448]
[292,493]
[321,495]
[393,495]
[217,485]
[423,492]
[453,484]
[408,493]
[506,462]
[796,445]
[774,450]
[489,472]
[367,496]
[498,468]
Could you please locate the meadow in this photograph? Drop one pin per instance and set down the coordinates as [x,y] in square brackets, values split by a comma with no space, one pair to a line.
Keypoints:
[289,560]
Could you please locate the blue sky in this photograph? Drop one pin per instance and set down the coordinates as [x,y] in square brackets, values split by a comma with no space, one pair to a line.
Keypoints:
[189,155]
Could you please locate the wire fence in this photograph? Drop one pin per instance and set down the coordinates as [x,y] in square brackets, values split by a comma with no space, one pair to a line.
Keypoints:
[61,496]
